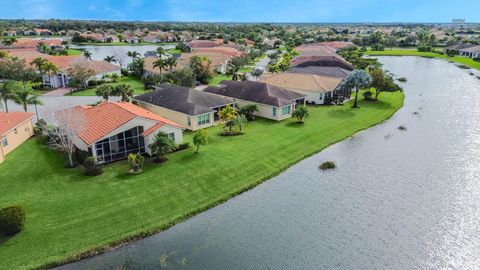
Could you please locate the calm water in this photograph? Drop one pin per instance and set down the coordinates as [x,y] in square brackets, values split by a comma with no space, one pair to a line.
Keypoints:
[398,199]
[100,52]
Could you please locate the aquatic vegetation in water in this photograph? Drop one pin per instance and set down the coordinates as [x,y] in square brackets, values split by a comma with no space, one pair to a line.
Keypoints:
[403,79]
[463,67]
[388,136]
[402,128]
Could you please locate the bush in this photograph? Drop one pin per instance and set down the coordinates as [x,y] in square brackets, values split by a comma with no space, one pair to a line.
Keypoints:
[232,133]
[476,59]
[91,167]
[378,47]
[423,48]
[40,127]
[403,79]
[12,220]
[92,83]
[367,95]
[124,72]
[328,165]
[183,146]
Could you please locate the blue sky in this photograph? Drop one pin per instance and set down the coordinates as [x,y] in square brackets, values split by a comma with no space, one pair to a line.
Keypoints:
[246,10]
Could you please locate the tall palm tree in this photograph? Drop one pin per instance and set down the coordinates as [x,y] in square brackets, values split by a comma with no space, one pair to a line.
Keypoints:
[162,145]
[36,102]
[160,64]
[25,98]
[358,79]
[110,59]
[39,63]
[171,62]
[50,68]
[66,43]
[87,55]
[133,54]
[228,115]
[160,51]
[8,90]
[9,41]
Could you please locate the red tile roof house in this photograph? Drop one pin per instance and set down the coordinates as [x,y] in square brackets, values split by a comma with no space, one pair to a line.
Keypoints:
[112,130]
[15,128]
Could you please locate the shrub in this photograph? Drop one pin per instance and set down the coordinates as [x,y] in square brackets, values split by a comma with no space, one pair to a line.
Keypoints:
[402,128]
[12,220]
[136,163]
[403,79]
[378,47]
[232,133]
[328,165]
[40,127]
[367,95]
[124,72]
[92,83]
[92,168]
[423,48]
[183,146]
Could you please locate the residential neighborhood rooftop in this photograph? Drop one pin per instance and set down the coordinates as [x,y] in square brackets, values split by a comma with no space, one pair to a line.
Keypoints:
[10,120]
[297,81]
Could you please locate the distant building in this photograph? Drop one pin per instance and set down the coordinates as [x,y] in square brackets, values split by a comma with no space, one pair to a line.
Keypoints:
[458,21]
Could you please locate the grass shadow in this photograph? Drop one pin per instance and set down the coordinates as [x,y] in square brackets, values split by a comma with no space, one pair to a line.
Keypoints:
[4,239]
[342,114]
[294,124]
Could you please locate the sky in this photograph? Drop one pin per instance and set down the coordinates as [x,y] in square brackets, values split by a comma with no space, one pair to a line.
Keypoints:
[328,11]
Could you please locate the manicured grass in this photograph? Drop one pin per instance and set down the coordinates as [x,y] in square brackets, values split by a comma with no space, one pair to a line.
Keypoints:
[69,213]
[136,84]
[458,59]
[218,78]
[74,52]
[174,51]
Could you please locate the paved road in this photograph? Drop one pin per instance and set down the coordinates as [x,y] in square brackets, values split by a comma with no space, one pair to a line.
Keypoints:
[261,64]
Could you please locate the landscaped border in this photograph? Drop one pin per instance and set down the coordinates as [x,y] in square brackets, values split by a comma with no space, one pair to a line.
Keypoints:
[134,237]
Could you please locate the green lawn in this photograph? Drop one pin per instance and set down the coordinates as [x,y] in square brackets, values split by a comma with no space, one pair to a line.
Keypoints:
[174,51]
[69,214]
[74,52]
[136,84]
[458,59]
[218,78]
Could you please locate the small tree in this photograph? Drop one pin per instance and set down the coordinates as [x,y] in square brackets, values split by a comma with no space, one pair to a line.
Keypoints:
[383,82]
[161,146]
[200,138]
[81,73]
[358,79]
[62,136]
[248,111]
[92,168]
[136,163]
[227,116]
[137,67]
[301,113]
[123,90]
[104,91]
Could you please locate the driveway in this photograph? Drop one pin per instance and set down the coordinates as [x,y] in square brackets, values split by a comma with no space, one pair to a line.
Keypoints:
[57,92]
[261,64]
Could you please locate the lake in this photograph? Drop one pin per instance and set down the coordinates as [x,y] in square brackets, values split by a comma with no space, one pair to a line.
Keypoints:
[398,199]
[100,52]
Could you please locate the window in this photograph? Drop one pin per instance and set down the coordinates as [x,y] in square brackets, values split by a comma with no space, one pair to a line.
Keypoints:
[189,123]
[321,96]
[15,130]
[274,111]
[203,119]
[4,142]
[120,145]
[171,136]
[286,110]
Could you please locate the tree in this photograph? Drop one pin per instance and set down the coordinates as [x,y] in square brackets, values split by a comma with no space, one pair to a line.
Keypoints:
[87,55]
[358,79]
[39,63]
[133,54]
[200,138]
[9,41]
[137,67]
[160,64]
[248,111]
[62,136]
[8,90]
[257,73]
[383,82]
[161,146]
[227,116]
[160,52]
[183,77]
[66,43]
[104,91]
[110,59]
[3,54]
[50,68]
[202,68]
[80,73]
[119,54]
[171,62]
[123,90]
[24,98]
[115,77]
[16,69]
[301,113]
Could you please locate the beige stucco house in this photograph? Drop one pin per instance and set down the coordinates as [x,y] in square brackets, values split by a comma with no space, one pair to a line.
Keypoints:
[15,128]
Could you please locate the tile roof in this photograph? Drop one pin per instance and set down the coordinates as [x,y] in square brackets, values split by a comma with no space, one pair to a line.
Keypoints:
[322,60]
[258,92]
[183,99]
[91,123]
[10,120]
[474,49]
[303,82]
[460,46]
[24,43]
[321,71]
[205,43]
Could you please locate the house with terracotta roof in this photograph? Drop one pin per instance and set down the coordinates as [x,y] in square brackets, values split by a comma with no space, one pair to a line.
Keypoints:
[332,60]
[15,128]
[320,86]
[273,102]
[190,108]
[110,131]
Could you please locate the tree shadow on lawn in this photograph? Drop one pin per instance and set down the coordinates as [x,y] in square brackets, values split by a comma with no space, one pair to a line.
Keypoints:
[295,124]
[4,238]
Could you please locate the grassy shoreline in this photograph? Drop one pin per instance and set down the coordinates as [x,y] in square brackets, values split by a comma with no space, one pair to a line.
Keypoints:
[457,59]
[70,216]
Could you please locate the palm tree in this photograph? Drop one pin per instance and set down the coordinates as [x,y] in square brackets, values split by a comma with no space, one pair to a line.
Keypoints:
[171,62]
[39,63]
[25,98]
[35,101]
[50,68]
[123,90]
[8,90]
[3,55]
[228,115]
[160,64]
[114,77]
[66,43]
[133,54]
[162,145]
[9,41]
[358,79]
[110,59]
[104,91]
[301,112]
[87,55]
[160,52]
